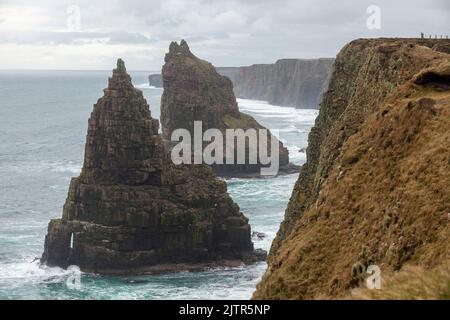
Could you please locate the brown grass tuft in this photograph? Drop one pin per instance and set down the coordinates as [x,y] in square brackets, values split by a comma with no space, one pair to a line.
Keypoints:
[412,283]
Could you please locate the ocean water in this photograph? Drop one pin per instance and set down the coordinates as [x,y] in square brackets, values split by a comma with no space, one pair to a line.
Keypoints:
[43,123]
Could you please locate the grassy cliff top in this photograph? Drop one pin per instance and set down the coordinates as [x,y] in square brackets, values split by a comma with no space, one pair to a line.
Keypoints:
[374,189]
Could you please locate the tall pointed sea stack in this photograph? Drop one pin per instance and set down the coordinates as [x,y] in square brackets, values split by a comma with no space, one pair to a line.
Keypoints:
[194,91]
[131,210]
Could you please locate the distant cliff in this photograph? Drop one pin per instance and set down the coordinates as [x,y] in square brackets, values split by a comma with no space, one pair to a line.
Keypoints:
[374,189]
[155,80]
[288,82]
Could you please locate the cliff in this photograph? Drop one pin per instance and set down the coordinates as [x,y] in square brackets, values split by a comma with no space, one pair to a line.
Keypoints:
[131,210]
[374,189]
[229,72]
[194,91]
[296,83]
[155,80]
[288,82]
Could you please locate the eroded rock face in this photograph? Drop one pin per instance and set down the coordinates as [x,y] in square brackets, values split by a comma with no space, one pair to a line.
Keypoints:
[374,189]
[194,91]
[131,210]
[296,83]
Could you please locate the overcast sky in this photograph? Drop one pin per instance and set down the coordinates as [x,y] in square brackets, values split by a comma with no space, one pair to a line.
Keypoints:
[46,34]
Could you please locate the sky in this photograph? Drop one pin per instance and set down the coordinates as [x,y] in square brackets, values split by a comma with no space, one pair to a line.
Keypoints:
[91,35]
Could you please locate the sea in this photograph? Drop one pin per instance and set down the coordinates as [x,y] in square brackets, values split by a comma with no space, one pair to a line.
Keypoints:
[43,125]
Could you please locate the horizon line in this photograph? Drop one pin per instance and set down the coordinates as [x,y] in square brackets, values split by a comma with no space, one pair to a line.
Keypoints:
[15,69]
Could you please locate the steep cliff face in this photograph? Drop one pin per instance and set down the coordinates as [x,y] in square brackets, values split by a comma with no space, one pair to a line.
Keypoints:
[155,80]
[296,83]
[374,189]
[229,72]
[194,91]
[131,210]
[288,82]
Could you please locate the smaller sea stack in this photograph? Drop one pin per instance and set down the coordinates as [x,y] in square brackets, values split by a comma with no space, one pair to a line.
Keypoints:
[195,91]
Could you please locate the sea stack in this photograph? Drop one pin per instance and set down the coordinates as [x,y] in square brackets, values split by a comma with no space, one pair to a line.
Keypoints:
[195,91]
[131,210]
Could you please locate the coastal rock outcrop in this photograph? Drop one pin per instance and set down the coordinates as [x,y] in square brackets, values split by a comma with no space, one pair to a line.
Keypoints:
[374,189]
[131,210]
[194,91]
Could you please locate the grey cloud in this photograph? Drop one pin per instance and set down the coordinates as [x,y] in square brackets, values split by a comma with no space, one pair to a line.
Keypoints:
[73,38]
[236,32]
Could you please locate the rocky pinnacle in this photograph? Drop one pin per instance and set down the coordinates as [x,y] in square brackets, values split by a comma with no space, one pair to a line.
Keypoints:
[131,210]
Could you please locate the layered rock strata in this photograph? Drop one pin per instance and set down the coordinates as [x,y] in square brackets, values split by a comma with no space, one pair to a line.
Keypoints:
[194,91]
[131,210]
[296,83]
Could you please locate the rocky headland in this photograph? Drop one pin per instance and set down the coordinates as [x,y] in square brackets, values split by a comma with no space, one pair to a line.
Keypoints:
[375,188]
[194,91]
[132,211]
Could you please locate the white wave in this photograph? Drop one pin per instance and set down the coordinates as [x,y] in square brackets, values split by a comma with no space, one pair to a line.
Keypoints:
[266,110]
[30,271]
[42,166]
[290,130]
[296,155]
[68,167]
[144,86]
[292,124]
